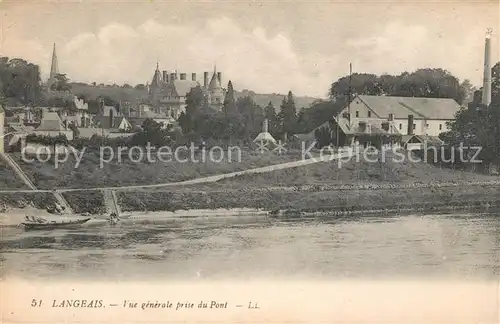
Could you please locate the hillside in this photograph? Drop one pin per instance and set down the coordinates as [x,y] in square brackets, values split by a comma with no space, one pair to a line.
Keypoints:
[131,94]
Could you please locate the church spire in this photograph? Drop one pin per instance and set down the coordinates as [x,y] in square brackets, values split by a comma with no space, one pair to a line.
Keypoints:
[54,68]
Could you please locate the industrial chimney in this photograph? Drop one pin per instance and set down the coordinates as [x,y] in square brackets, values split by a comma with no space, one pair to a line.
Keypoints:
[410,124]
[183,76]
[205,79]
[165,76]
[486,100]
[193,76]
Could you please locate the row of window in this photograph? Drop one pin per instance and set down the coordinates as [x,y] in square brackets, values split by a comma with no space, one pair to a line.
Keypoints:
[426,126]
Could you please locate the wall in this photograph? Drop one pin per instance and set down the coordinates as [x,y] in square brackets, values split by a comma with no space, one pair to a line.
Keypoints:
[432,128]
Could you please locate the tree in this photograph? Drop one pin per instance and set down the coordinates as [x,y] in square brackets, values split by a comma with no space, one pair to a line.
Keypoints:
[272,117]
[430,83]
[251,118]
[61,83]
[196,105]
[152,133]
[288,114]
[20,81]
[229,107]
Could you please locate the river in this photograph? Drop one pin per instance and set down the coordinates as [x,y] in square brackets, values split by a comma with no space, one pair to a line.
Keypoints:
[430,246]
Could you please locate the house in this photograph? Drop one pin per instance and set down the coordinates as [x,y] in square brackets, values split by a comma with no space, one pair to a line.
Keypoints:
[419,142]
[430,115]
[79,115]
[52,125]
[367,119]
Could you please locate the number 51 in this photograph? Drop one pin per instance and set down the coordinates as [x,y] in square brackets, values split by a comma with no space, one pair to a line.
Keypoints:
[35,303]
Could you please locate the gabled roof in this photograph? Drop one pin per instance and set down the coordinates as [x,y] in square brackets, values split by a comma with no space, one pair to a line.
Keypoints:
[51,122]
[420,108]
[182,87]
[105,122]
[265,137]
[429,140]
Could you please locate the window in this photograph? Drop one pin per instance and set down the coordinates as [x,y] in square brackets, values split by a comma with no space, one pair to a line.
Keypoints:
[426,125]
[440,126]
[357,113]
[414,126]
[400,126]
[369,114]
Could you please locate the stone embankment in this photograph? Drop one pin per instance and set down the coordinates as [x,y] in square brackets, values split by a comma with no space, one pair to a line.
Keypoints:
[372,186]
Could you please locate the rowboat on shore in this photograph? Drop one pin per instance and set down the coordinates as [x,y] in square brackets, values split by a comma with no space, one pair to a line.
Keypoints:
[42,224]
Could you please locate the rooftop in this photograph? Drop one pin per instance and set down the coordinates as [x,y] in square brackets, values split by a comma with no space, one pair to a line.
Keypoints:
[421,108]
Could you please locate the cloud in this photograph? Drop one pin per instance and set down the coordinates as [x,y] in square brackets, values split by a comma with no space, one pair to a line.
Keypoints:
[252,59]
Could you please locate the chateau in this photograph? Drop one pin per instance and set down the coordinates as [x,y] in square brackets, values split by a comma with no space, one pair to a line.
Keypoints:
[168,91]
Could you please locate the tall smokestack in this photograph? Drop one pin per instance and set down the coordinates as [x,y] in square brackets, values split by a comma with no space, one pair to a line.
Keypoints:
[486,100]
[193,76]
[205,79]
[410,124]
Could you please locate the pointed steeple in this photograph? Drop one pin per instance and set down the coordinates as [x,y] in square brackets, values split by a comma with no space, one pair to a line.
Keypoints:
[156,76]
[54,67]
[215,81]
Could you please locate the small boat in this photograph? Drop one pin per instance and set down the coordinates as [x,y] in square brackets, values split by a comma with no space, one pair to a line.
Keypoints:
[49,225]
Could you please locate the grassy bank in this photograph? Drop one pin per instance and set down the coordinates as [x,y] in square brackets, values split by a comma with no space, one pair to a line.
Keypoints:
[351,172]
[392,185]
[307,201]
[89,172]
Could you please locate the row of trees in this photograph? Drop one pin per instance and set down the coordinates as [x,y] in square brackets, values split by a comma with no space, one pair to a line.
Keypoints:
[430,83]
[478,125]
[239,120]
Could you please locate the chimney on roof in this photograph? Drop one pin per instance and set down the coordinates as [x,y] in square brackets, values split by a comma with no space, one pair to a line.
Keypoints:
[193,76]
[111,118]
[410,125]
[219,76]
[183,76]
[486,100]
[205,79]
[165,76]
[172,77]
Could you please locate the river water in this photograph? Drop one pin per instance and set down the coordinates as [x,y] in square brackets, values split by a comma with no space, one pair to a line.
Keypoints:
[439,246]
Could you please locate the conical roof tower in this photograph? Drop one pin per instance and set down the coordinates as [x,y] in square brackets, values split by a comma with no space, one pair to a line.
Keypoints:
[214,82]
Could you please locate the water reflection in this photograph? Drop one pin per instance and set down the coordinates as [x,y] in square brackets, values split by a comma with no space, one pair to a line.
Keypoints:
[447,245]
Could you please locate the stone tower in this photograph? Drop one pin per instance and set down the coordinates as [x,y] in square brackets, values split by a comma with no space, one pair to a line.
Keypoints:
[215,91]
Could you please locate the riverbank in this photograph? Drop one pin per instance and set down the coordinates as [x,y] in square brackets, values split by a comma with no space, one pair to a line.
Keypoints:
[359,186]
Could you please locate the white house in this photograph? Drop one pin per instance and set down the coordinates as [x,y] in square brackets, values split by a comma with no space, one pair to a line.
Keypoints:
[430,115]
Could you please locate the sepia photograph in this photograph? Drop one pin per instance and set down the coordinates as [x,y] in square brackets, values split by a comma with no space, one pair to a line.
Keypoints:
[249,162]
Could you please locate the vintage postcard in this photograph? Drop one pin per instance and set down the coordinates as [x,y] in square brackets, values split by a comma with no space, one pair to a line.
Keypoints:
[249,162]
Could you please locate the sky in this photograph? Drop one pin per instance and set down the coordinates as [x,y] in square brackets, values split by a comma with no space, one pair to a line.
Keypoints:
[267,47]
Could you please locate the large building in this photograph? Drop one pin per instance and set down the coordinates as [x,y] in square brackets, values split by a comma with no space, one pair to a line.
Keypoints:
[367,116]
[168,91]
